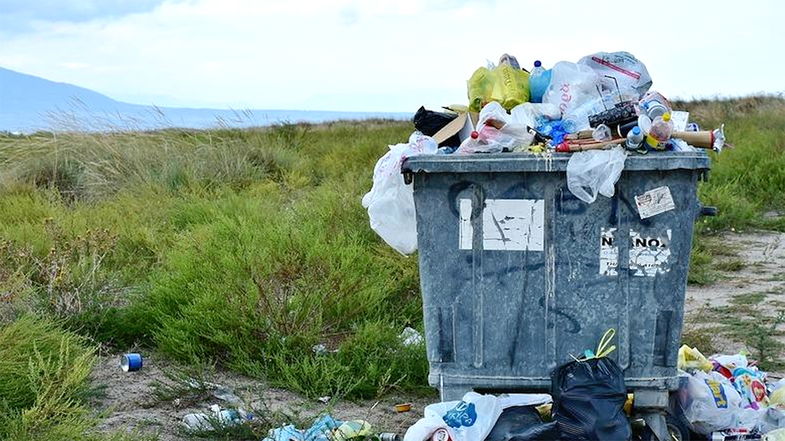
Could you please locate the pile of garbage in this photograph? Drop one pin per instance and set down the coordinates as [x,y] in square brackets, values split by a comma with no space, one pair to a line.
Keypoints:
[727,395]
[599,110]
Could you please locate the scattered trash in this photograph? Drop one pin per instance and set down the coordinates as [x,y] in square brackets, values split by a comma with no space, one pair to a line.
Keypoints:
[224,393]
[325,428]
[319,349]
[410,337]
[403,407]
[387,436]
[325,399]
[131,362]
[470,419]
[201,422]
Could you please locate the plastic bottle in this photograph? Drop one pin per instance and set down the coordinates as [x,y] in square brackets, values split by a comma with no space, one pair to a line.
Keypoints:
[634,139]
[539,79]
[660,131]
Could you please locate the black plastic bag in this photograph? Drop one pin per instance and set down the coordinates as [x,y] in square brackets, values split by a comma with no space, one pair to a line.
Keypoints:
[429,123]
[589,399]
[522,423]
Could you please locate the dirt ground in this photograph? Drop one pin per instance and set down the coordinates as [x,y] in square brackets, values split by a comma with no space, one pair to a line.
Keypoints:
[130,401]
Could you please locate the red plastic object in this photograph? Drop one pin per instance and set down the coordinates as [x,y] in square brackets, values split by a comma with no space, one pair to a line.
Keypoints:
[475,134]
[563,148]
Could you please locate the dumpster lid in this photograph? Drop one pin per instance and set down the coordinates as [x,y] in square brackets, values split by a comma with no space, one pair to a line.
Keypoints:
[556,162]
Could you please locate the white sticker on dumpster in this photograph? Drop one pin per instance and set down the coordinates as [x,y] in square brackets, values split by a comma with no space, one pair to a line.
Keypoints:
[465,229]
[649,255]
[609,253]
[654,202]
[513,224]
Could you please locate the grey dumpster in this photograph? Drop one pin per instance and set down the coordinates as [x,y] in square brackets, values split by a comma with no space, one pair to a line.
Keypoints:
[518,275]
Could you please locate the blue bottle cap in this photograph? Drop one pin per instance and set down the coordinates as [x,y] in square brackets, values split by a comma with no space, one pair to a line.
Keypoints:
[636,130]
[537,63]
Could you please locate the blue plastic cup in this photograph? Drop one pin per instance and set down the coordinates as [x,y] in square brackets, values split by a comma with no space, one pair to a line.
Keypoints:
[131,362]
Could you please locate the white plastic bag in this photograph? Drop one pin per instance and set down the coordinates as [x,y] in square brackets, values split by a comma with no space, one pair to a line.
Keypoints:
[714,404]
[472,418]
[527,114]
[573,89]
[629,72]
[390,202]
[496,132]
[595,171]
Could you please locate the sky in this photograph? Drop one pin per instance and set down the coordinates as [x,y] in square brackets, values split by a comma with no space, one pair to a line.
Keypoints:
[377,55]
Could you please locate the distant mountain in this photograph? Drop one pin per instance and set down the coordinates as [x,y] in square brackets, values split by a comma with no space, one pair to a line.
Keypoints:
[29,103]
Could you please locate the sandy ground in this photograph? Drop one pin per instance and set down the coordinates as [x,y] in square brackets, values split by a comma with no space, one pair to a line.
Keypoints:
[130,403]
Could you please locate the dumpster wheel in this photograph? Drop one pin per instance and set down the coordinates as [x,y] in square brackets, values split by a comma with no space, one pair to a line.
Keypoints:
[677,429]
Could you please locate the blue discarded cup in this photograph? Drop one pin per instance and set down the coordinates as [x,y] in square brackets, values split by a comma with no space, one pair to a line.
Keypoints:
[131,362]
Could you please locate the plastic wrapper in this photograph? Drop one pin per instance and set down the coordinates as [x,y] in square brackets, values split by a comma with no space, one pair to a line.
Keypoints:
[529,114]
[495,133]
[573,90]
[390,202]
[630,73]
[504,84]
[692,359]
[595,172]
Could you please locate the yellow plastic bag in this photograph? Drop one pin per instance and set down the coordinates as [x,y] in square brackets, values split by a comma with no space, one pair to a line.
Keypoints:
[691,358]
[504,84]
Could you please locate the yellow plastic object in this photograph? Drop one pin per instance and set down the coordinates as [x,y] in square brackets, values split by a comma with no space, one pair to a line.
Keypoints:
[774,435]
[353,430]
[691,358]
[545,411]
[777,398]
[504,84]
[628,404]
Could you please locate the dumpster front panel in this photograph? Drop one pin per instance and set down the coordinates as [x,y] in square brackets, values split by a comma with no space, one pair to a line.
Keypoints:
[518,275]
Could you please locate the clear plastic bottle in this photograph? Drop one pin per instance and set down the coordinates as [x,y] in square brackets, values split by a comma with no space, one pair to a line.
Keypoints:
[539,79]
[634,139]
[660,132]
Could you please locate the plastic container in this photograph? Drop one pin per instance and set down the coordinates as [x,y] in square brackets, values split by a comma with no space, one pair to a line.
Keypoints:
[634,139]
[539,79]
[660,131]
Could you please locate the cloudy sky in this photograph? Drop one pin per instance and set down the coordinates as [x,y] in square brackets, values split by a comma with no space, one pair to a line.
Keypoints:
[377,55]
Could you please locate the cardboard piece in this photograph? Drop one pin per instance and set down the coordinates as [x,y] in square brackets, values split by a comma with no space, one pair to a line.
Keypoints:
[463,125]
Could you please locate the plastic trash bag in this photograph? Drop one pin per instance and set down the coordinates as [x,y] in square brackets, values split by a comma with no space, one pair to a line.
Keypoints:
[504,84]
[691,358]
[429,123]
[589,399]
[496,132]
[629,72]
[390,202]
[522,423]
[713,403]
[470,419]
[595,172]
[573,90]
[528,114]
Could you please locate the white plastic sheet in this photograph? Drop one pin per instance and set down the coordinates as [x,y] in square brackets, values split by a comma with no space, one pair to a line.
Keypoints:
[595,172]
[390,202]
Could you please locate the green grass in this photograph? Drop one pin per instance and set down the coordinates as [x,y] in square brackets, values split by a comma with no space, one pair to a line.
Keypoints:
[246,248]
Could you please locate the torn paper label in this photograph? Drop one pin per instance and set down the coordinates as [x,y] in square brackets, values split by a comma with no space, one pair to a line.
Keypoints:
[654,202]
[649,255]
[609,253]
[513,224]
[465,229]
